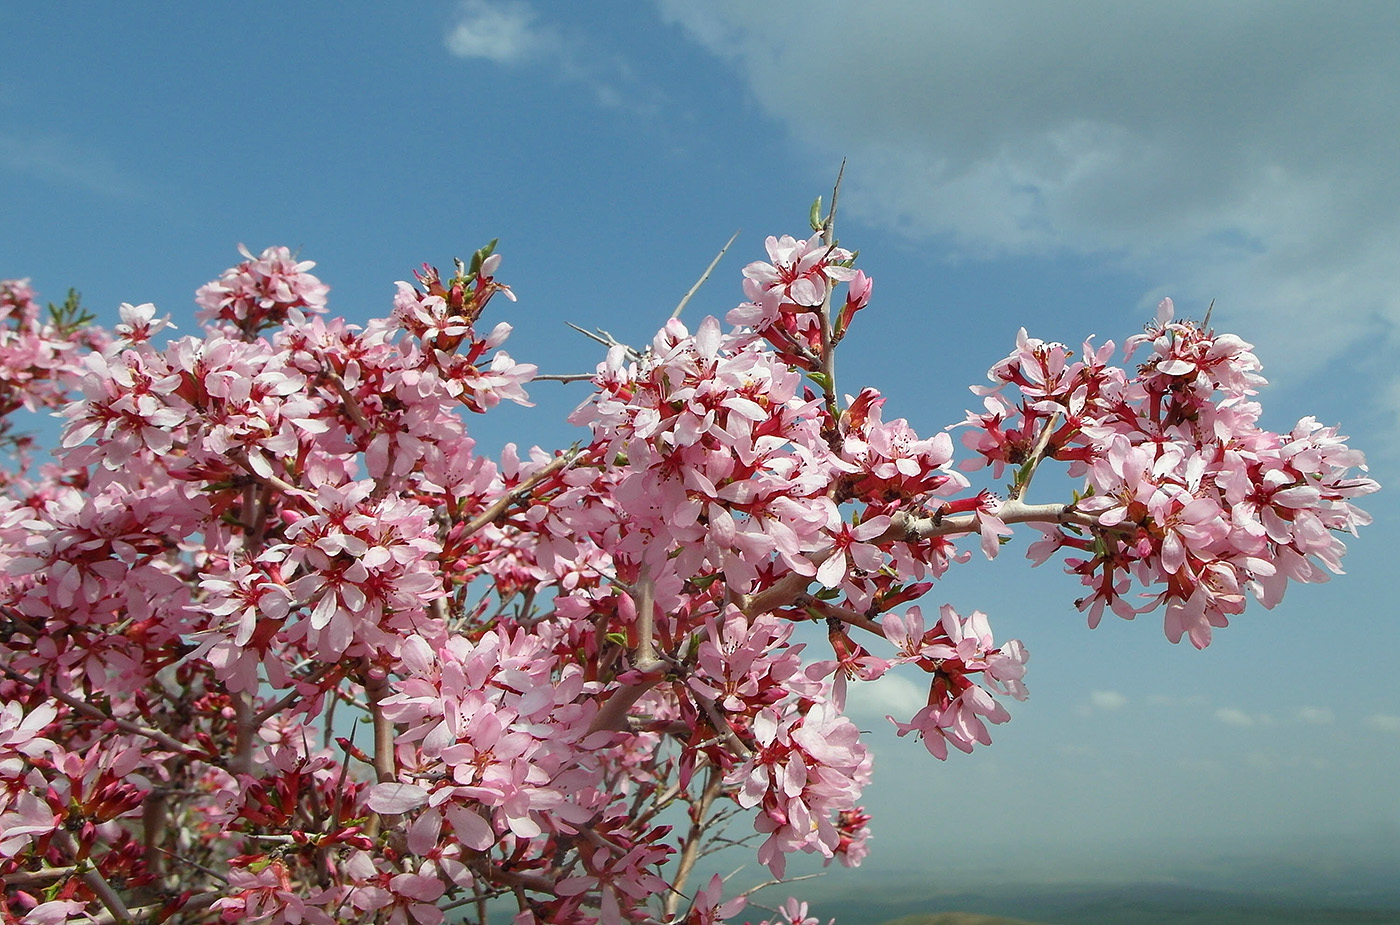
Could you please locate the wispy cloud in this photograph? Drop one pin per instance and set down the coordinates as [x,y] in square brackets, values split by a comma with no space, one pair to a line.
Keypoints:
[1241,152]
[1316,716]
[514,33]
[1232,716]
[894,695]
[505,33]
[1103,702]
[62,162]
[1384,722]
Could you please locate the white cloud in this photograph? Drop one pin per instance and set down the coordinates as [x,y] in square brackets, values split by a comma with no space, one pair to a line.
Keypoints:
[892,695]
[501,32]
[1383,722]
[62,162]
[512,32]
[1231,716]
[1242,152]
[1316,716]
[1176,700]
[1107,700]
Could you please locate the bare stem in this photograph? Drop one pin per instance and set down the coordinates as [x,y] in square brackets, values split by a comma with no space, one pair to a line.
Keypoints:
[352,407]
[1023,482]
[613,714]
[385,769]
[147,913]
[726,731]
[845,615]
[153,820]
[96,882]
[89,710]
[786,591]
[244,727]
[32,877]
[783,591]
[644,597]
[604,338]
[519,492]
[291,696]
[703,276]
[563,377]
[281,485]
[1013,511]
[690,853]
[828,358]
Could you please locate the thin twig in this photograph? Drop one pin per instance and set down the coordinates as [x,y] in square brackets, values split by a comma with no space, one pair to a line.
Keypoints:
[691,852]
[95,881]
[291,696]
[241,457]
[564,377]
[147,913]
[200,867]
[703,276]
[348,402]
[612,716]
[726,731]
[88,709]
[1018,491]
[828,357]
[604,338]
[767,883]
[30,877]
[516,494]
[845,615]
[908,527]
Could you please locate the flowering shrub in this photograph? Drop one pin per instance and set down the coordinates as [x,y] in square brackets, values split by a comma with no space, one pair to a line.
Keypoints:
[256,534]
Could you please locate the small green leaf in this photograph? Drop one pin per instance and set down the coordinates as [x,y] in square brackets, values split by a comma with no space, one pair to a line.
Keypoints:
[821,379]
[481,255]
[814,218]
[71,315]
[617,638]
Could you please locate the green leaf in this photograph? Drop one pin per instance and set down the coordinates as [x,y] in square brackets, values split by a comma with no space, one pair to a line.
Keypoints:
[821,379]
[70,316]
[814,218]
[617,638]
[481,255]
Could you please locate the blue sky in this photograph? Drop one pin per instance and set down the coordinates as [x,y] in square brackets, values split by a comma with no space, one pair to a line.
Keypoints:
[1056,166]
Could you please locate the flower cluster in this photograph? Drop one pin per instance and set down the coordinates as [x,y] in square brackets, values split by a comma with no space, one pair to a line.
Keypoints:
[262,292]
[1185,492]
[958,709]
[568,667]
[40,359]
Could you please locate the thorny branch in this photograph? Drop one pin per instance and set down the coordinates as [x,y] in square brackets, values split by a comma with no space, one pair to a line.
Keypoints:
[703,276]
